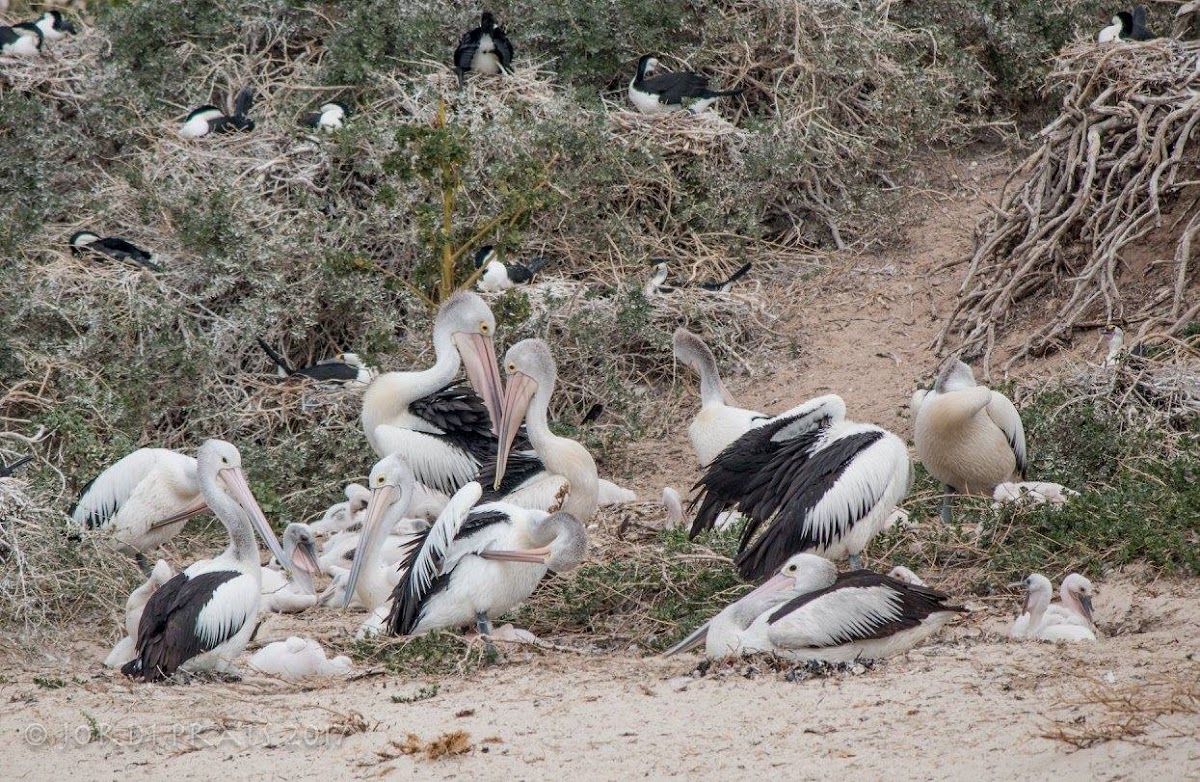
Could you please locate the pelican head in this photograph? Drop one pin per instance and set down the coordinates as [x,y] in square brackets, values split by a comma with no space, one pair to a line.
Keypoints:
[467,320]
[954,376]
[674,505]
[1037,592]
[1078,590]
[531,371]
[219,459]
[568,543]
[358,496]
[901,573]
[300,549]
[392,483]
[690,350]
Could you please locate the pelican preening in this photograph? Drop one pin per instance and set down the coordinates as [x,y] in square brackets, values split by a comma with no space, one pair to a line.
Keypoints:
[810,612]
[719,421]
[125,649]
[821,483]
[968,437]
[1069,620]
[476,562]
[203,618]
[445,431]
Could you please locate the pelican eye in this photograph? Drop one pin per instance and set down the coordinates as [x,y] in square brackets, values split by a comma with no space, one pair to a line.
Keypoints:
[484,328]
[512,367]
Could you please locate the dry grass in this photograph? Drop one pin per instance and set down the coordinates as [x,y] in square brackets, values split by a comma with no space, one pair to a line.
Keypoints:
[1128,712]
[1097,188]
[1157,390]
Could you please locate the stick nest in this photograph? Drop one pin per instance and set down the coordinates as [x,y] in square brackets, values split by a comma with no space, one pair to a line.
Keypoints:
[1103,213]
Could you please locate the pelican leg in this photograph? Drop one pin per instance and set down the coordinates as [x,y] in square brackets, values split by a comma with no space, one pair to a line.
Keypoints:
[484,626]
[946,504]
[856,562]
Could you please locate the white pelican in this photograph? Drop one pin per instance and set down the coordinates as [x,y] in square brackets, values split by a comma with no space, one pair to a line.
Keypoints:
[673,504]
[203,618]
[1070,620]
[531,377]
[901,573]
[968,437]
[343,515]
[445,431]
[371,580]
[476,563]
[810,612]
[290,590]
[822,483]
[124,650]
[142,500]
[298,658]
[719,421]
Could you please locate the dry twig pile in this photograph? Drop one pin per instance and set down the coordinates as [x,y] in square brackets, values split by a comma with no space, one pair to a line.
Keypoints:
[1112,171]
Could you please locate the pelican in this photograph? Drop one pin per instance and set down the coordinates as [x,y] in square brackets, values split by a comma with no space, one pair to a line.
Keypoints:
[719,421]
[968,437]
[124,650]
[531,378]
[141,501]
[477,562]
[203,618]
[810,612]
[824,484]
[290,590]
[1070,620]
[673,504]
[371,580]
[343,516]
[901,573]
[444,430]
[298,658]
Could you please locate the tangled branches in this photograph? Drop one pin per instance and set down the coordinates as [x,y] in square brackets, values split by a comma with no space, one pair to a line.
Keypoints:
[1103,178]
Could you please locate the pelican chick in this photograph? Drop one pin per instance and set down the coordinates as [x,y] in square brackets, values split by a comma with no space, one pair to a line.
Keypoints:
[298,658]
[1070,620]
[124,651]
[969,437]
[289,589]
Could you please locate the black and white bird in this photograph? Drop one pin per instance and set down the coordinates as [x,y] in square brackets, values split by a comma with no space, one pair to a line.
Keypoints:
[658,285]
[54,25]
[479,561]
[1127,26]
[820,483]
[114,247]
[207,119]
[329,117]
[498,276]
[7,470]
[484,50]
[654,91]
[343,368]
[808,612]
[21,40]
[202,619]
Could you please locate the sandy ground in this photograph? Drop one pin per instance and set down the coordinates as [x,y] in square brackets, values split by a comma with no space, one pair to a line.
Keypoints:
[969,705]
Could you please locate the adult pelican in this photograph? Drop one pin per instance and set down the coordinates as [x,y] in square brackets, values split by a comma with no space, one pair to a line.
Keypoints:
[823,484]
[202,618]
[810,612]
[443,429]
[289,589]
[968,437]
[142,500]
[719,421]
[1070,620]
[477,562]
[531,377]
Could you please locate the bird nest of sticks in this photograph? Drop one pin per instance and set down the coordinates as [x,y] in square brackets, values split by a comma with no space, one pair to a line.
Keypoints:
[1157,390]
[1102,215]
[49,577]
[677,133]
[65,69]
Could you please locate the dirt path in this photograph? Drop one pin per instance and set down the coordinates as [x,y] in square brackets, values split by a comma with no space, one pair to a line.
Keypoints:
[970,705]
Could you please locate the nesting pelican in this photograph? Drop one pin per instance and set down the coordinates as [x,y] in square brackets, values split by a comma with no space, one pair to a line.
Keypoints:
[810,612]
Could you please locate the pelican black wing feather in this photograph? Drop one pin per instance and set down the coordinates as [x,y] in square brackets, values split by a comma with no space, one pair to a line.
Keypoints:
[459,412]
[908,608]
[167,636]
[408,600]
[789,489]
[523,464]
